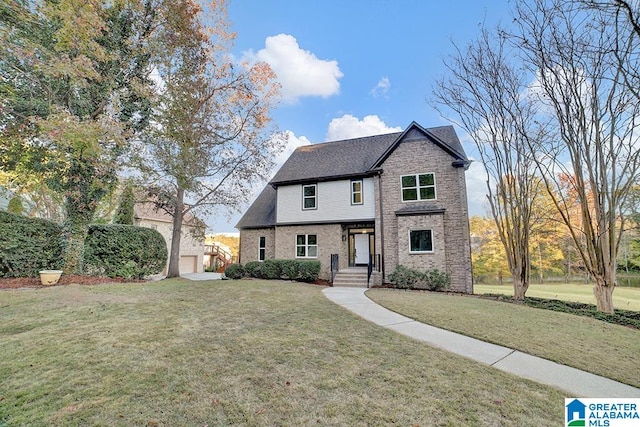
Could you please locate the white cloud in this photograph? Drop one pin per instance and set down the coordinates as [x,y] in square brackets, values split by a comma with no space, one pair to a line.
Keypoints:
[476,178]
[348,126]
[299,71]
[381,88]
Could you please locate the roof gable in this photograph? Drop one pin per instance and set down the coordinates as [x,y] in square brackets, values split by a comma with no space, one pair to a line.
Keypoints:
[356,157]
[444,137]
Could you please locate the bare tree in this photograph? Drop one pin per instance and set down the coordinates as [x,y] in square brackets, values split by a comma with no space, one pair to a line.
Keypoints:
[577,59]
[211,136]
[488,93]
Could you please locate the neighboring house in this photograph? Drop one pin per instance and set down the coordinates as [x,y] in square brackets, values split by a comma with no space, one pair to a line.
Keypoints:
[191,242]
[389,200]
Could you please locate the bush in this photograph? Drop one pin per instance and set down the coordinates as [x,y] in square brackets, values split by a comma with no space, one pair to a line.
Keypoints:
[271,269]
[234,271]
[253,269]
[432,280]
[308,271]
[124,251]
[28,245]
[290,268]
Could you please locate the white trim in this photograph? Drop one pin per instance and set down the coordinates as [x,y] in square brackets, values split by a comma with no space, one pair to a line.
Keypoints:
[417,187]
[306,246]
[433,244]
[361,192]
[260,248]
[315,196]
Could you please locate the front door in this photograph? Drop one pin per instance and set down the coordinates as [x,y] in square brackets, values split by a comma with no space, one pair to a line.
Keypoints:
[361,246]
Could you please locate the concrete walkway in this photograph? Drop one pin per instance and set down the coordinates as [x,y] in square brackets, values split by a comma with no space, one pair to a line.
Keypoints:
[574,382]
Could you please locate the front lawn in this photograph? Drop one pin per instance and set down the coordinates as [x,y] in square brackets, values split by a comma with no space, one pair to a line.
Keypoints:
[243,352]
[604,349]
[624,298]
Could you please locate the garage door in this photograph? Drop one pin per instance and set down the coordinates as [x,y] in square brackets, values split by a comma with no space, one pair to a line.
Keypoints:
[188,264]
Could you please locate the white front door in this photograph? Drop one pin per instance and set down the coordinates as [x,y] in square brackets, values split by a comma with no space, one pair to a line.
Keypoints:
[361,245]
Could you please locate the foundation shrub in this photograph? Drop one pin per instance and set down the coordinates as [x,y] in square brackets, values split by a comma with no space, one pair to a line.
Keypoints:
[431,280]
[308,271]
[290,268]
[271,269]
[234,271]
[253,269]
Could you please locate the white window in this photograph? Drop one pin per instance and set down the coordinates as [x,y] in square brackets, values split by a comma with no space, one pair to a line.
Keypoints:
[420,241]
[418,187]
[356,192]
[306,246]
[262,248]
[309,196]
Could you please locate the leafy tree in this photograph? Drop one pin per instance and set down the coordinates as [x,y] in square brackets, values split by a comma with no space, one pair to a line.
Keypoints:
[582,68]
[484,88]
[73,88]
[210,140]
[126,206]
[487,251]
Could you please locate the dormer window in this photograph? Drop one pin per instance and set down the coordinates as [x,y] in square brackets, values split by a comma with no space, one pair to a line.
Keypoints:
[418,187]
[309,196]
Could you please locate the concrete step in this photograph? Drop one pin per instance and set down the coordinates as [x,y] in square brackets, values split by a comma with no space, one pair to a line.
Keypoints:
[356,278]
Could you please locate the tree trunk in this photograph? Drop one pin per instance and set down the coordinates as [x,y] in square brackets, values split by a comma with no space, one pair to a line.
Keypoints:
[520,287]
[76,226]
[74,236]
[174,253]
[603,291]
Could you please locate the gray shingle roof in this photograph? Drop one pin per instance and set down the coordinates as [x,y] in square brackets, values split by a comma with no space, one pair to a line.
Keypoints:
[262,212]
[333,159]
[338,159]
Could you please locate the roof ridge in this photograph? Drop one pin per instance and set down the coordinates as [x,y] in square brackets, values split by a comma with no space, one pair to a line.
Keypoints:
[353,139]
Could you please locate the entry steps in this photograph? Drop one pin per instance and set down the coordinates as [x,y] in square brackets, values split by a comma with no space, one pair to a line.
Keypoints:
[353,277]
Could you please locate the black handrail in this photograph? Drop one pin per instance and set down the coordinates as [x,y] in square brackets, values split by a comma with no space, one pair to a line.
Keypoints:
[335,266]
[374,262]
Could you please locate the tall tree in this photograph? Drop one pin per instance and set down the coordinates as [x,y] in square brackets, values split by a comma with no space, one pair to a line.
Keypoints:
[73,89]
[211,137]
[487,92]
[125,213]
[577,59]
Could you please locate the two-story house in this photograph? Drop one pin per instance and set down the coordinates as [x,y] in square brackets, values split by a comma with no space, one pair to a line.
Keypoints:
[392,199]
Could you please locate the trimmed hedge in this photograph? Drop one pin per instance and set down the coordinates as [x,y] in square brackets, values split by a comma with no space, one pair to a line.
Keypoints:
[272,269]
[234,271]
[431,280]
[253,269]
[124,251]
[28,245]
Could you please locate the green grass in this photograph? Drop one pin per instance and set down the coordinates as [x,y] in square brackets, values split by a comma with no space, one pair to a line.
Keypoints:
[595,346]
[624,298]
[250,353]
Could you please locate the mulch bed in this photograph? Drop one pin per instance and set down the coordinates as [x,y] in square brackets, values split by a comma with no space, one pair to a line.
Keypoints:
[66,279]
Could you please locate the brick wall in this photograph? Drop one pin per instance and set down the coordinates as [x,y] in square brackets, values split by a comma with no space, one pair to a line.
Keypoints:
[250,240]
[329,242]
[452,251]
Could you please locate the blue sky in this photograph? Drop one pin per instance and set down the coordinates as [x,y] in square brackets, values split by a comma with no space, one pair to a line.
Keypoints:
[357,67]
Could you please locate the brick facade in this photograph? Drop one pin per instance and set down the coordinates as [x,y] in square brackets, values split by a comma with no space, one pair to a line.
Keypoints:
[329,242]
[452,250]
[250,241]
[381,160]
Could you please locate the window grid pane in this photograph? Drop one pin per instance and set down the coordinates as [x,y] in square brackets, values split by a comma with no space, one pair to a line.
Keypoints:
[418,187]
[306,246]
